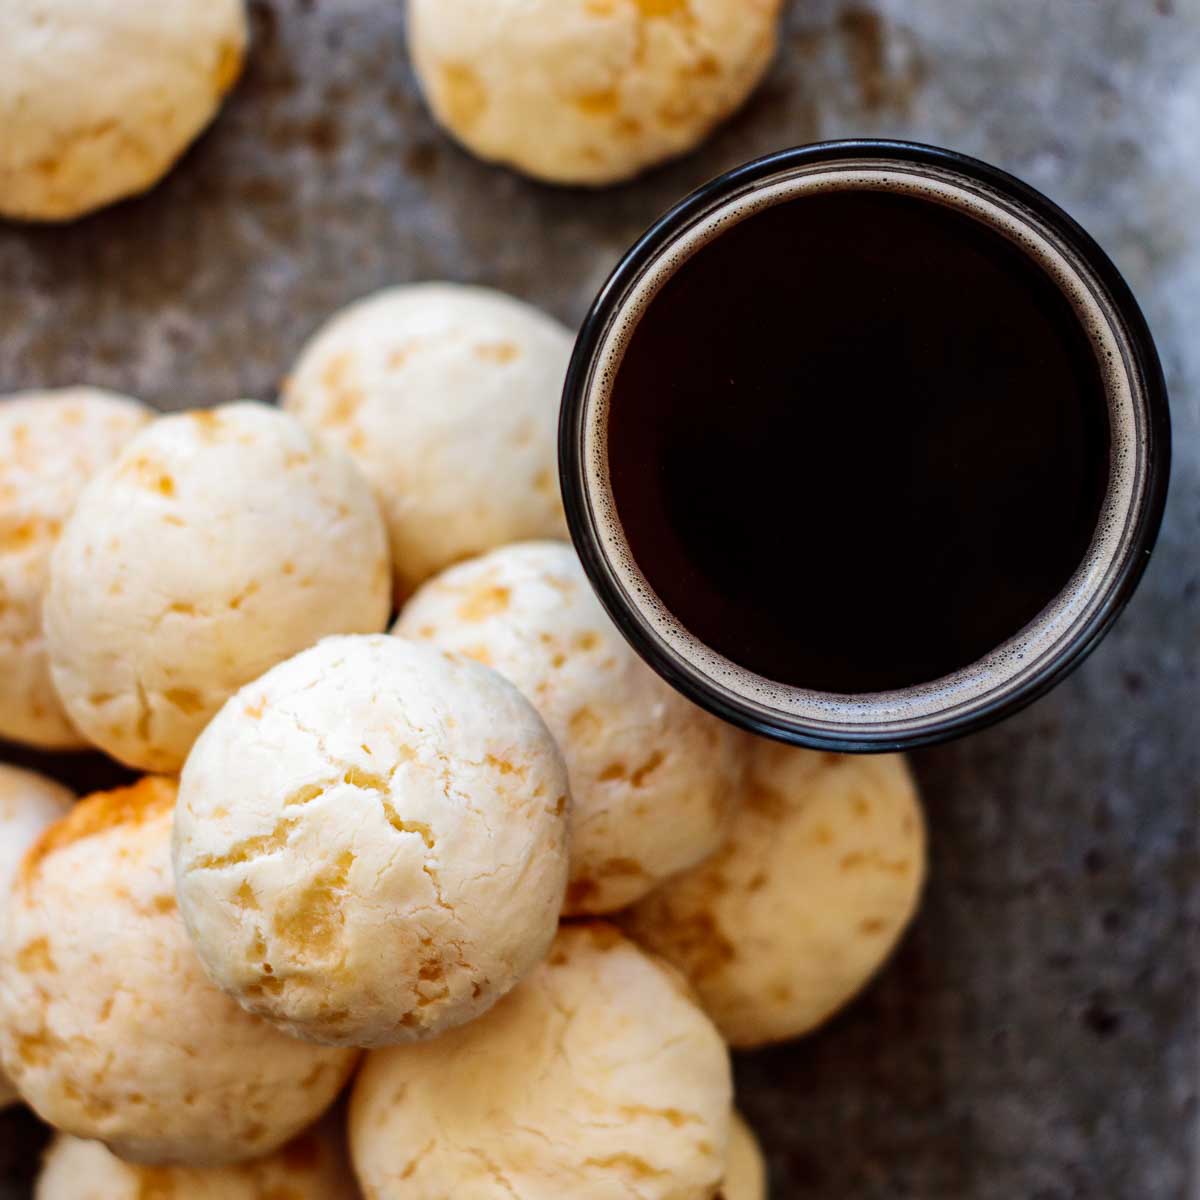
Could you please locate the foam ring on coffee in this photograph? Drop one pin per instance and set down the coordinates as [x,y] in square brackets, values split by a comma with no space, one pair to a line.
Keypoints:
[1006,668]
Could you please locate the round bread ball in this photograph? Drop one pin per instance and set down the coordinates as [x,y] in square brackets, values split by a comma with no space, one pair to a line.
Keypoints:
[312,1166]
[51,444]
[217,544]
[98,98]
[598,1077]
[587,91]
[821,874]
[745,1171]
[370,843]
[651,774]
[28,803]
[109,1027]
[447,397]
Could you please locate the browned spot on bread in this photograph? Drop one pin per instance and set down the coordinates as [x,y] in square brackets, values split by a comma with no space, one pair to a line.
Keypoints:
[860,859]
[498,352]
[19,536]
[484,602]
[143,801]
[208,425]
[463,94]
[188,702]
[662,8]
[604,103]
[639,777]
[505,767]
[344,399]
[155,1183]
[36,956]
[631,1164]
[227,67]
[765,800]
[150,474]
[697,940]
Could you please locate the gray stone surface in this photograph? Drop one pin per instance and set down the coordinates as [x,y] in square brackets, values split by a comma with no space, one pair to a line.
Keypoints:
[1036,1038]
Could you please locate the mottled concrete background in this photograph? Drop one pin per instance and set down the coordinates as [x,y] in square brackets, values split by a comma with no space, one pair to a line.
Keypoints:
[1036,1038]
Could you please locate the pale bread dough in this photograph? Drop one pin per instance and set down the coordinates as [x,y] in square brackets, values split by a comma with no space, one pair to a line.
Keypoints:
[652,776]
[821,875]
[370,845]
[588,91]
[312,1166]
[598,1078]
[745,1171]
[51,444]
[447,397]
[217,544]
[108,1025]
[98,98]
[28,804]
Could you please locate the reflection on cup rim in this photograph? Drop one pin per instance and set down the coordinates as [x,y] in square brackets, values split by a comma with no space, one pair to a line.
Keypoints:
[1039,655]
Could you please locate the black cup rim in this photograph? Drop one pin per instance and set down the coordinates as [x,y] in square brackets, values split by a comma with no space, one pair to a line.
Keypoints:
[1147,518]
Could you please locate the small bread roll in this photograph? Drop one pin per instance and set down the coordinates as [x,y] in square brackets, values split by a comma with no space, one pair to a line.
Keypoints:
[51,444]
[821,875]
[745,1171]
[651,774]
[216,545]
[312,1166]
[28,803]
[447,397]
[109,1027]
[370,845]
[587,91]
[598,1078]
[99,97]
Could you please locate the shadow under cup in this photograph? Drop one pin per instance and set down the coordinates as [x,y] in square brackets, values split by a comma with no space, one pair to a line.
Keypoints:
[1011,674]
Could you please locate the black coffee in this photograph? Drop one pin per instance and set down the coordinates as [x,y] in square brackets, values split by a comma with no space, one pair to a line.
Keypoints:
[858,441]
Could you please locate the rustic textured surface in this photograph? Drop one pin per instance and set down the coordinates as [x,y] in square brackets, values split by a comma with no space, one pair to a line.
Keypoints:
[1037,1036]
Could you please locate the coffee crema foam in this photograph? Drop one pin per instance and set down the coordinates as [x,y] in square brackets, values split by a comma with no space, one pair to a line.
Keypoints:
[1012,663]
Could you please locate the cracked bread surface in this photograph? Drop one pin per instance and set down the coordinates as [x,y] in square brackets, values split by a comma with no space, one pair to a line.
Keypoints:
[371,842]
[218,543]
[597,1078]
[652,775]
[109,1026]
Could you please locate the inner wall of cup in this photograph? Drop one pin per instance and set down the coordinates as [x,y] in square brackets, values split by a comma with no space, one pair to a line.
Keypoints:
[1008,667]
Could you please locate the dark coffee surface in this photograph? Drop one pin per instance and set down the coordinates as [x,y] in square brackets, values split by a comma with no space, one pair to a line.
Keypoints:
[858,441]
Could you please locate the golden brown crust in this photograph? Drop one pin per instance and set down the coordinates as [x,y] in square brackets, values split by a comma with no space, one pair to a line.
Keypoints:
[102,811]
